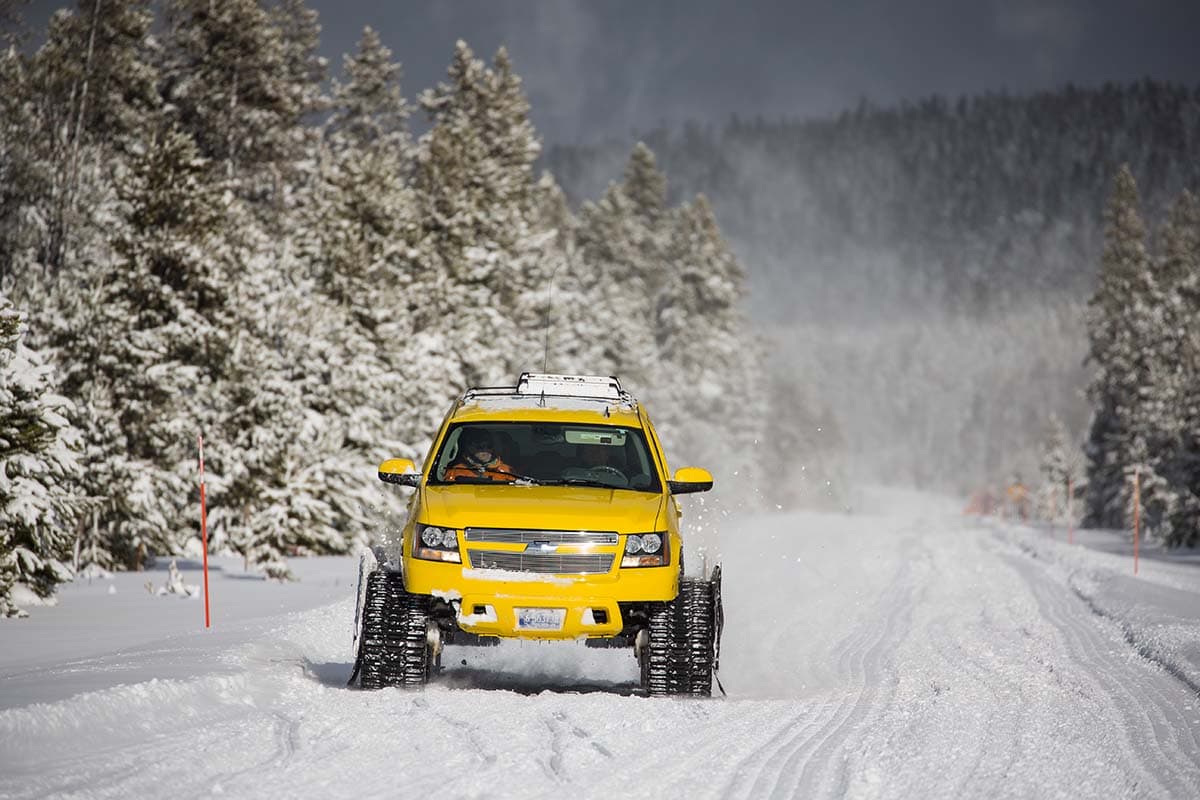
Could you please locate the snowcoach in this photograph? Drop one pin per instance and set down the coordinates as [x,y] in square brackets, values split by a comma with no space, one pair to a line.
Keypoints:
[544,510]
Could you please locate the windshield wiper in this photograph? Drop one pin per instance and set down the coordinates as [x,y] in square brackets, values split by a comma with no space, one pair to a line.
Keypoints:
[520,479]
[584,482]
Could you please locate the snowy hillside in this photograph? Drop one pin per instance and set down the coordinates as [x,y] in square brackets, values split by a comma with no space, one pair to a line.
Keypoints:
[903,651]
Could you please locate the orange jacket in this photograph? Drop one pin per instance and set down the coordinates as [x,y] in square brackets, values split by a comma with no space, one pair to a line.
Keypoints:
[495,470]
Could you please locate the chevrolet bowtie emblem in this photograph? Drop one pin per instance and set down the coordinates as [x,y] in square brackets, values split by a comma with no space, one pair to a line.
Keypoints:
[541,548]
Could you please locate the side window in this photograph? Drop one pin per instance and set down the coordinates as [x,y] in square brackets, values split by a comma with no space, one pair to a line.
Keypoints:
[656,445]
[449,453]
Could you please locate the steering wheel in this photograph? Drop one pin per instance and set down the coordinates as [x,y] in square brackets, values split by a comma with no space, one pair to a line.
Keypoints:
[609,474]
[605,469]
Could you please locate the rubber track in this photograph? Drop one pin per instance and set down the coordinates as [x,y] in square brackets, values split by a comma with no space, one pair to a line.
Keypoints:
[680,654]
[394,647]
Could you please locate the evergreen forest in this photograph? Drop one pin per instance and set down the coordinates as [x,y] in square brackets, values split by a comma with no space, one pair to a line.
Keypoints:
[204,231]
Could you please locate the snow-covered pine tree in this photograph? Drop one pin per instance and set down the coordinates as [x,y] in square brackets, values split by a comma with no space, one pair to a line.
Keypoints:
[1062,462]
[563,334]
[38,468]
[364,202]
[645,185]
[622,244]
[476,196]
[146,349]
[96,81]
[24,176]
[354,242]
[304,68]
[267,495]
[714,402]
[363,221]
[545,244]
[369,107]
[227,76]
[244,83]
[1116,335]
[1174,505]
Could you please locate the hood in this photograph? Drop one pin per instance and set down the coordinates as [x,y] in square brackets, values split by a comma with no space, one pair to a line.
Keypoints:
[542,507]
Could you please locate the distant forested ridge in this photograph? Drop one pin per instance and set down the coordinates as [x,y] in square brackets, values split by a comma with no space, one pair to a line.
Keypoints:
[926,267]
[979,202]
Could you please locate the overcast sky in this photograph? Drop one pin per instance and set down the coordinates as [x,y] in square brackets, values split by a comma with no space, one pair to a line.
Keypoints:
[596,68]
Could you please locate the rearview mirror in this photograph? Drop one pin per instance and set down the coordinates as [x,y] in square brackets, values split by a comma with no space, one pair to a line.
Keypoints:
[691,479]
[400,471]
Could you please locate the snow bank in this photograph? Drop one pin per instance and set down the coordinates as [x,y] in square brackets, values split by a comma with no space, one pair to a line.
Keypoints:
[1157,612]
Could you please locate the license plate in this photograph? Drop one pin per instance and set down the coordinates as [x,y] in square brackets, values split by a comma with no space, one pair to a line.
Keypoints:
[541,619]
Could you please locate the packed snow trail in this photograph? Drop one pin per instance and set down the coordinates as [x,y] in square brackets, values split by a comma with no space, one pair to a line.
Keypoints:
[901,654]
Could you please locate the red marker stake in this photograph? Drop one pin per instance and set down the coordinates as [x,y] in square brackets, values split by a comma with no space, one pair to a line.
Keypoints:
[1137,516]
[204,531]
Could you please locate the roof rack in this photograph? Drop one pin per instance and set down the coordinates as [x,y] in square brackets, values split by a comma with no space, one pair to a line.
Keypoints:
[605,389]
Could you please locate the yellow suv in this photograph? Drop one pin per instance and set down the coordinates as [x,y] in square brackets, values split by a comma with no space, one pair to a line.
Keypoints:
[543,511]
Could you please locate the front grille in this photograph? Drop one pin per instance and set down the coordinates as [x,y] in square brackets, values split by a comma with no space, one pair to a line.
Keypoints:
[547,563]
[517,536]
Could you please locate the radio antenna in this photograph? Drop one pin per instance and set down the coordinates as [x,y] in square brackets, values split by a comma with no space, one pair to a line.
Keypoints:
[549,306]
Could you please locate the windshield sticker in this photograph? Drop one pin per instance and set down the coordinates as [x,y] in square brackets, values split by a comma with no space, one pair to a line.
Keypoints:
[615,437]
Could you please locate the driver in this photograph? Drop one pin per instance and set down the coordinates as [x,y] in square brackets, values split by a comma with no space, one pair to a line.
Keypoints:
[596,456]
[477,458]
[601,459]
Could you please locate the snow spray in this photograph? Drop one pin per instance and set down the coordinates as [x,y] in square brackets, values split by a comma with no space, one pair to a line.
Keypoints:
[204,530]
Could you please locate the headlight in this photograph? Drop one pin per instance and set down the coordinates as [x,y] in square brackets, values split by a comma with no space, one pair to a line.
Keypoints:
[646,550]
[433,536]
[436,544]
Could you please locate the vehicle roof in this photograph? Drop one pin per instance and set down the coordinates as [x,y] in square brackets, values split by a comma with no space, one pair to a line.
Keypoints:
[536,397]
[555,409]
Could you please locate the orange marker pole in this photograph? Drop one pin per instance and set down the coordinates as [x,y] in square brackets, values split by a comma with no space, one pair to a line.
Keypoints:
[1137,516]
[204,531]
[1070,519]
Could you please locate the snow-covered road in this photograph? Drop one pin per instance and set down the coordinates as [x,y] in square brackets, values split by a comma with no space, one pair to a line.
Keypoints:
[907,653]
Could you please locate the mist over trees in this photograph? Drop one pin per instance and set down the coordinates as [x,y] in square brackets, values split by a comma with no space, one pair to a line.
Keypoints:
[199,233]
[932,260]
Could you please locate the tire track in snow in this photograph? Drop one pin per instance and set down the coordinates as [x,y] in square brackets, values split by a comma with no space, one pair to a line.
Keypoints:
[801,761]
[820,770]
[1134,640]
[1148,701]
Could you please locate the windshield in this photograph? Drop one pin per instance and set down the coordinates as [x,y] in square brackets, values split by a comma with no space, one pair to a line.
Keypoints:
[546,453]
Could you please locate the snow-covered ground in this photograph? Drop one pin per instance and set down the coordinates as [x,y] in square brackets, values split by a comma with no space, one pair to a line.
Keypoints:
[902,651]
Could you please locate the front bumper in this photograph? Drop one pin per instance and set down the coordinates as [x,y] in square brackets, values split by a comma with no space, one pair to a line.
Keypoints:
[490,615]
[487,601]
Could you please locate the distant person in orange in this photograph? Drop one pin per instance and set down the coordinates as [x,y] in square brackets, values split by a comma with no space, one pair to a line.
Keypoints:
[477,459]
[1018,498]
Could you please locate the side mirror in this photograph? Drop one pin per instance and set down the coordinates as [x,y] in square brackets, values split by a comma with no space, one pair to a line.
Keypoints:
[690,479]
[400,471]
